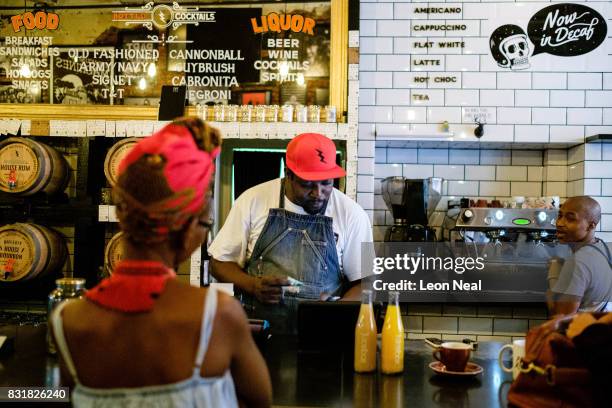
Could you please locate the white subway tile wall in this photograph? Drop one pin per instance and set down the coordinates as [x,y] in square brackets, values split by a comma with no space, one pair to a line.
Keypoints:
[414,77]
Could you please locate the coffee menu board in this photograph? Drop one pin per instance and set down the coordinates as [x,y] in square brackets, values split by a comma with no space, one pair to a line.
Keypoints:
[269,53]
[498,37]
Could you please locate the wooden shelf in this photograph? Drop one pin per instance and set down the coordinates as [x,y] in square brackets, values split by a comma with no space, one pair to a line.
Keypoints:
[80,112]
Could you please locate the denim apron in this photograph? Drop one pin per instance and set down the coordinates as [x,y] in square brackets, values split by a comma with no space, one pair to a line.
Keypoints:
[302,247]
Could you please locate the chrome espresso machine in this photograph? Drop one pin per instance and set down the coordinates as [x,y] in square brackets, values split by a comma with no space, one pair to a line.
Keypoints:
[516,243]
[535,225]
[411,201]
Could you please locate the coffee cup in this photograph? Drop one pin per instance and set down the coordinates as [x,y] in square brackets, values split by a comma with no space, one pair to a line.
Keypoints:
[454,355]
[518,352]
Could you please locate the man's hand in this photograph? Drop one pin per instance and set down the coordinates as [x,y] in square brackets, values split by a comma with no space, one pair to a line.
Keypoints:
[267,289]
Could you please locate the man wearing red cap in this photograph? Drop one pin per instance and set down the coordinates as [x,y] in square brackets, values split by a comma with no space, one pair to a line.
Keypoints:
[293,238]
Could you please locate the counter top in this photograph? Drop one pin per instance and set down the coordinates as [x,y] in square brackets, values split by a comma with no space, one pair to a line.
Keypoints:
[327,380]
[310,379]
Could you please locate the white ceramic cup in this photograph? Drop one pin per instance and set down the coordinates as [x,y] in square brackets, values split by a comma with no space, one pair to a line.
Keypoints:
[518,351]
[552,202]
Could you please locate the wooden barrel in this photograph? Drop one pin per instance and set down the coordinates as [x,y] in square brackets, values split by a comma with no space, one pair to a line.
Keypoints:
[114,156]
[113,253]
[28,167]
[28,251]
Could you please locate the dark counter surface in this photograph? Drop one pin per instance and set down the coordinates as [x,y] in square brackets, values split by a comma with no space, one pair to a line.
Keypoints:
[327,380]
[310,379]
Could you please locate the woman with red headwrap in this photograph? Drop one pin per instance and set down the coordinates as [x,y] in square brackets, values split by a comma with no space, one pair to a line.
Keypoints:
[141,338]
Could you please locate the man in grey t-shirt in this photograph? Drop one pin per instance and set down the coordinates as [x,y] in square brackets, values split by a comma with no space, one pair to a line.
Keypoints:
[585,280]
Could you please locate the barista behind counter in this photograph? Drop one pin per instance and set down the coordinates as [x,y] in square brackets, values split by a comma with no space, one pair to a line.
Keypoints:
[299,227]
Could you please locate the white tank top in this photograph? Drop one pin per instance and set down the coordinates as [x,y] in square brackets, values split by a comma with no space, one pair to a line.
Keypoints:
[196,391]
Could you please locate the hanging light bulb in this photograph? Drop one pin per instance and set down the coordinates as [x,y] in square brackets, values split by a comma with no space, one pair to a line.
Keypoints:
[283,68]
[142,84]
[152,70]
[25,71]
[300,79]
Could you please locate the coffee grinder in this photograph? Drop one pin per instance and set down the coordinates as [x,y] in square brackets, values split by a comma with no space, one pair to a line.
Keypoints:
[411,201]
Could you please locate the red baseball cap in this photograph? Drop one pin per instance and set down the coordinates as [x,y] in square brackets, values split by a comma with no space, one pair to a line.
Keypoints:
[312,157]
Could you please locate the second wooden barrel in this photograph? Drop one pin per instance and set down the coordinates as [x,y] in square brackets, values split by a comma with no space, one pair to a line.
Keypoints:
[28,251]
[114,156]
[28,167]
[113,253]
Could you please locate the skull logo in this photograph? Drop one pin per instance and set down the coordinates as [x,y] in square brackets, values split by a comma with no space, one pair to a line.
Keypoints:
[510,48]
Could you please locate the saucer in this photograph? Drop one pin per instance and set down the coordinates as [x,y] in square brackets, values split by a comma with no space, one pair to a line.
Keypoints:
[471,369]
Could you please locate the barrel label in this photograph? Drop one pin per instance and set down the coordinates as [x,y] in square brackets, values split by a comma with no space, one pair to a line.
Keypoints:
[16,255]
[115,155]
[19,167]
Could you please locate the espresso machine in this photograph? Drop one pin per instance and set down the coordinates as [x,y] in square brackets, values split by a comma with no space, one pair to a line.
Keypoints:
[411,201]
[515,245]
[535,225]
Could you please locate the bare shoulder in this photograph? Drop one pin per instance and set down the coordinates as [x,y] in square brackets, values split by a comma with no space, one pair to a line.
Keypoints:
[230,312]
[75,311]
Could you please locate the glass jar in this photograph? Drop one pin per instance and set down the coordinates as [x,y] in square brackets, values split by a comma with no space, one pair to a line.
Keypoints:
[272,113]
[260,113]
[219,113]
[201,111]
[231,113]
[314,113]
[330,114]
[67,288]
[301,113]
[246,113]
[287,113]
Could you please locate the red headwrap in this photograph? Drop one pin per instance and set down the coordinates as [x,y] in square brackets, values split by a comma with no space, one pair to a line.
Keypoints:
[188,170]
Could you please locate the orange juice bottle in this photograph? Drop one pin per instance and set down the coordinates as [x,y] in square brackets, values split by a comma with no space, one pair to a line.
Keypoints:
[365,336]
[392,353]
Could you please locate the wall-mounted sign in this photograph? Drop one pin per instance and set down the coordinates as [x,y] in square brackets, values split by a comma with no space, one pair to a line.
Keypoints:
[163,16]
[564,30]
[437,10]
[567,30]
[478,115]
[38,21]
[221,52]
[283,22]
